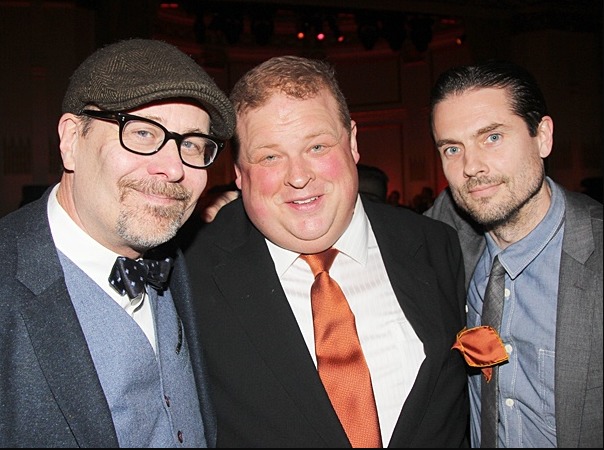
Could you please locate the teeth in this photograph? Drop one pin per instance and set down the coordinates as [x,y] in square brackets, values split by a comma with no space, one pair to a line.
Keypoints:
[312,199]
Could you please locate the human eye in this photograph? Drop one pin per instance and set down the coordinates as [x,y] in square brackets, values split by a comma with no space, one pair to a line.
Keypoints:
[320,149]
[493,138]
[192,146]
[269,158]
[263,156]
[451,150]
[142,133]
[321,143]
[198,150]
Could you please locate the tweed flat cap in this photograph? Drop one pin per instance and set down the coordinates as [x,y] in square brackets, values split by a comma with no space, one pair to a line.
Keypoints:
[135,72]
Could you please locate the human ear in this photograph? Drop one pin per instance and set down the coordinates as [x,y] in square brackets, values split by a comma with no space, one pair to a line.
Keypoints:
[68,139]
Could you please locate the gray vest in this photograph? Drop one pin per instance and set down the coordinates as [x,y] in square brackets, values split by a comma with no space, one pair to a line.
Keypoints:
[152,398]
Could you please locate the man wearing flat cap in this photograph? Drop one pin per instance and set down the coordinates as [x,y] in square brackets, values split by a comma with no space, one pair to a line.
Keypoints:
[98,346]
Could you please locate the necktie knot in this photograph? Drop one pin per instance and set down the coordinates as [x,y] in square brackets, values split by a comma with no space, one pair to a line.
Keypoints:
[492,308]
[129,276]
[497,270]
[320,262]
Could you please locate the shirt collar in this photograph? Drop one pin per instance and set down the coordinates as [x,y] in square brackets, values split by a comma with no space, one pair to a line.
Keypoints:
[93,258]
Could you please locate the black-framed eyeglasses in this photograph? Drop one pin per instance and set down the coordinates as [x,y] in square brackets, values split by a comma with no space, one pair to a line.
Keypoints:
[146,137]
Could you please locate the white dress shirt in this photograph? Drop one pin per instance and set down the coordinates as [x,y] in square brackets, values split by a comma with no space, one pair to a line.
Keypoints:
[95,260]
[392,349]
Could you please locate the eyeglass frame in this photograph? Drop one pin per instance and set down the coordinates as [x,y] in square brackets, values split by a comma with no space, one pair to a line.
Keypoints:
[122,118]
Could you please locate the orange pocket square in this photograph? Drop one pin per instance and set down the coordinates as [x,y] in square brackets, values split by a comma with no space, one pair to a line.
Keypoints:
[481,347]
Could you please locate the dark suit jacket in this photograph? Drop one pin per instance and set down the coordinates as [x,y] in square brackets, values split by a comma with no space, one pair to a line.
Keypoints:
[50,395]
[265,387]
[578,378]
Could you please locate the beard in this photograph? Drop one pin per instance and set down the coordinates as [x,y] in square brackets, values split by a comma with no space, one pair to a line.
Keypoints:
[508,208]
[144,225]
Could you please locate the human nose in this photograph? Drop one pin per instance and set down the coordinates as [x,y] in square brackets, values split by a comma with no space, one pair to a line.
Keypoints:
[168,162]
[299,173]
[473,162]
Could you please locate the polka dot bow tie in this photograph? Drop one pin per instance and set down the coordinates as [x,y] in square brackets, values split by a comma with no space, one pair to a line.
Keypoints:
[129,276]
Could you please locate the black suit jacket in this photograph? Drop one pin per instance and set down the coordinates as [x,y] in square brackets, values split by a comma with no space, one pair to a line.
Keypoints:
[50,394]
[265,386]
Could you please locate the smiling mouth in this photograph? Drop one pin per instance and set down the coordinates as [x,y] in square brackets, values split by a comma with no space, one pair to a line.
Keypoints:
[480,188]
[483,192]
[304,202]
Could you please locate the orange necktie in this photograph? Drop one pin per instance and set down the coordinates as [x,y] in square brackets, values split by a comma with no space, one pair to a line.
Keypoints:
[340,360]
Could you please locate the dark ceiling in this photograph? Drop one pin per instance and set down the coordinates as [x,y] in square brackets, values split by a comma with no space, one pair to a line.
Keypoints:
[569,15]
[123,18]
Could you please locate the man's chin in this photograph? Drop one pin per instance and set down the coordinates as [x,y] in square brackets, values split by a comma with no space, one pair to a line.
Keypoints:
[487,217]
[152,238]
[150,231]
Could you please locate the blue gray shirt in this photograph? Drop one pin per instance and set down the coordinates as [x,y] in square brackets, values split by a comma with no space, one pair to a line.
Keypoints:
[528,330]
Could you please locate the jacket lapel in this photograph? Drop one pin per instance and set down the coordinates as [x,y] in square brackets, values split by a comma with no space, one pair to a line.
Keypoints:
[576,309]
[264,312]
[56,336]
[183,302]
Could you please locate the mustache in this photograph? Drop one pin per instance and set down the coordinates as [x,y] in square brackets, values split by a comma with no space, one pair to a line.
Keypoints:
[155,187]
[475,182]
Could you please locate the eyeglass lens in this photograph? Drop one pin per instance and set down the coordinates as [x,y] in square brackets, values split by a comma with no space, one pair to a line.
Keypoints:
[145,137]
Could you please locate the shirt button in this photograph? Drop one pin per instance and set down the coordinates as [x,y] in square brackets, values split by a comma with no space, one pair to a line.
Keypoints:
[167,399]
[508,348]
[179,435]
[506,293]
[509,402]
